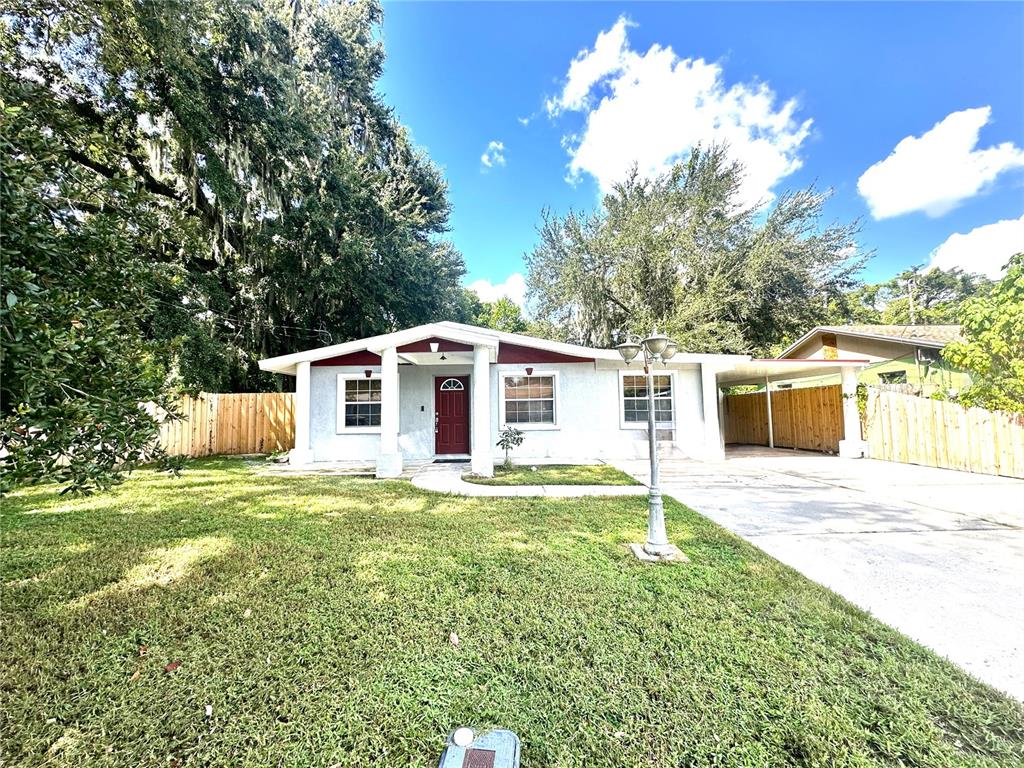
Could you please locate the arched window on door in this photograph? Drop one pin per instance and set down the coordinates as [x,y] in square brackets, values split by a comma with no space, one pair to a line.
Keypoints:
[449,385]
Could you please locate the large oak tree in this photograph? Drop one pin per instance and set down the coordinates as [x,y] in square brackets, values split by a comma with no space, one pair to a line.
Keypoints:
[191,186]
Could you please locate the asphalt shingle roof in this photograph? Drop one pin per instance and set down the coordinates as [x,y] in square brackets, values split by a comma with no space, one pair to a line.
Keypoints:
[937,334]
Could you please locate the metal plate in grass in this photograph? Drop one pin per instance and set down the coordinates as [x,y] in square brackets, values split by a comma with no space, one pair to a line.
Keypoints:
[490,749]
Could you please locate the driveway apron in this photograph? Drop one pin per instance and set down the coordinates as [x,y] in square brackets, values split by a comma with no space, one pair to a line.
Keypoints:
[938,554]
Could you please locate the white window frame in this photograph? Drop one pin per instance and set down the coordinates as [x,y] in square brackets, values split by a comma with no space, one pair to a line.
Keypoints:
[460,388]
[529,427]
[340,427]
[642,425]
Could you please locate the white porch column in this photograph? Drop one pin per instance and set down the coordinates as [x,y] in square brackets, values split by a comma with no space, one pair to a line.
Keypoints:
[482,461]
[768,400]
[851,446]
[714,447]
[301,453]
[389,460]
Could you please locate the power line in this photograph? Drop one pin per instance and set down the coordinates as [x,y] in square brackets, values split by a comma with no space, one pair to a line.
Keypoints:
[311,332]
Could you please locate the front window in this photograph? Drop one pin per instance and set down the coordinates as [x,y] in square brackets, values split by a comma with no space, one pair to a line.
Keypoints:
[359,403]
[529,399]
[634,399]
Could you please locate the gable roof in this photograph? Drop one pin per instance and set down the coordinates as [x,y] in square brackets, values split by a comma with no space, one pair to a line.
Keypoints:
[467,334]
[936,336]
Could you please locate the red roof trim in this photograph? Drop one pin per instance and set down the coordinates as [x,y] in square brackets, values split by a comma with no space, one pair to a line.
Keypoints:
[443,345]
[519,354]
[352,358]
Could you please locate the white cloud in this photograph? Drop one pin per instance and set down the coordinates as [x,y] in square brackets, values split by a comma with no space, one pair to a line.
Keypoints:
[985,249]
[513,288]
[653,108]
[939,169]
[589,67]
[493,155]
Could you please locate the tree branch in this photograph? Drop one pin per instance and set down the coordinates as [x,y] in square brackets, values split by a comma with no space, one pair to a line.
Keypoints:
[201,208]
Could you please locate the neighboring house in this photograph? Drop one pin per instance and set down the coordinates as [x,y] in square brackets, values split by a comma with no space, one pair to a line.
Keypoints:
[445,390]
[898,354]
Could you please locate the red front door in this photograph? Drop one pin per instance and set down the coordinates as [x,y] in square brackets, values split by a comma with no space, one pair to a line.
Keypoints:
[451,414]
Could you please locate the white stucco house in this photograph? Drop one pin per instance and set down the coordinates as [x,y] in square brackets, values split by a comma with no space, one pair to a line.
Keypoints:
[445,390]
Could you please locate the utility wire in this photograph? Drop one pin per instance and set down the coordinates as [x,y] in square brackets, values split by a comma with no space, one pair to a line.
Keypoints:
[311,332]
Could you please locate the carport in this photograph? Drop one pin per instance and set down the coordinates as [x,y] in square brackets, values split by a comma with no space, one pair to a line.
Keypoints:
[785,414]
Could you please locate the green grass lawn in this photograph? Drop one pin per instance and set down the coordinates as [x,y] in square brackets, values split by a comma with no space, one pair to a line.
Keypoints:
[555,474]
[313,616]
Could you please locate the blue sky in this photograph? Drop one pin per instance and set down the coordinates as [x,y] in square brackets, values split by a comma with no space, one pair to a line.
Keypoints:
[912,113]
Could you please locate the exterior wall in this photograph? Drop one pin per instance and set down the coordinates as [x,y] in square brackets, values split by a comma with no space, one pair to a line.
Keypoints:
[885,357]
[690,414]
[587,414]
[853,347]
[938,375]
[416,406]
[326,443]
[588,406]
[415,414]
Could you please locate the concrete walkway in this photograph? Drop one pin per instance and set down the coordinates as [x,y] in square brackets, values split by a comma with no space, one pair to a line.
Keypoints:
[938,554]
[447,478]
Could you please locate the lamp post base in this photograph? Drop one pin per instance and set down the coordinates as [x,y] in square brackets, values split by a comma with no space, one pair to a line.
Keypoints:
[663,554]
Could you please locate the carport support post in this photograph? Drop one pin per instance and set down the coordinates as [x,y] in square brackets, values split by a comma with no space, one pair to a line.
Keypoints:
[851,446]
[768,399]
[389,460]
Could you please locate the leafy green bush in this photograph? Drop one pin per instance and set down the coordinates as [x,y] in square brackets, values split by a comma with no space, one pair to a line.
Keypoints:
[993,350]
[77,371]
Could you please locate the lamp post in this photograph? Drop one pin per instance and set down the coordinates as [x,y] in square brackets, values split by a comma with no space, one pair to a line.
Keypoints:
[655,347]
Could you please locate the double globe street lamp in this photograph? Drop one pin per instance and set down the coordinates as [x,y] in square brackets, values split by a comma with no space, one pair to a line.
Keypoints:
[656,347]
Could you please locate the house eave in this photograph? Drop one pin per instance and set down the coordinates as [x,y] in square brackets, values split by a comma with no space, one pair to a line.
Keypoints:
[759,370]
[914,342]
[287,364]
[485,337]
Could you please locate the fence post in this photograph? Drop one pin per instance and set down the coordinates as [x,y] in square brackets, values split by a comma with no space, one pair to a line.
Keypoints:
[851,446]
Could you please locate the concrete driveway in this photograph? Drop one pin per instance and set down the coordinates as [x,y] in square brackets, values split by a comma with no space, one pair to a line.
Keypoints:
[938,554]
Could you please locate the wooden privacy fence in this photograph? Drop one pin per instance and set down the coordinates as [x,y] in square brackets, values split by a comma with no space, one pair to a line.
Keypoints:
[935,433]
[810,418]
[257,422]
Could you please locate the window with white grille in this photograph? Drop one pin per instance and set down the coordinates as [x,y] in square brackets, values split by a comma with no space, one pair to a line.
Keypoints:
[635,403]
[359,401]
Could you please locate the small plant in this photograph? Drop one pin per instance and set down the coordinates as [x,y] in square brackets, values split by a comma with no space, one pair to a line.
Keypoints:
[509,438]
[172,464]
